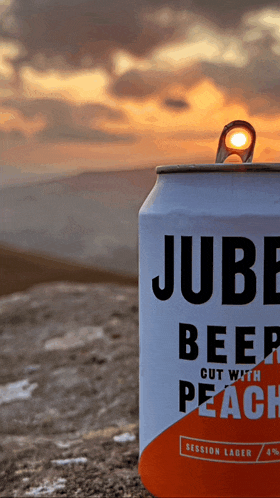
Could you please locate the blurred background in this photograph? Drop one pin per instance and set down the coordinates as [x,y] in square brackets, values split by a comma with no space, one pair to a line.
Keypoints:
[93,95]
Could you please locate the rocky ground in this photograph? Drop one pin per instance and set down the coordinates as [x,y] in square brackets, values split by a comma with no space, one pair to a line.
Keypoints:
[69,392]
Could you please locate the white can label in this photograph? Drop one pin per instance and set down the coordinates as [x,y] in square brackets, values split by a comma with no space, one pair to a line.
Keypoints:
[209,326]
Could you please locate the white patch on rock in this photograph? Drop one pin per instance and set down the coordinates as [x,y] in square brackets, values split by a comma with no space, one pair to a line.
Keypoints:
[74,339]
[62,444]
[67,444]
[48,415]
[16,391]
[70,461]
[120,297]
[68,377]
[123,438]
[47,488]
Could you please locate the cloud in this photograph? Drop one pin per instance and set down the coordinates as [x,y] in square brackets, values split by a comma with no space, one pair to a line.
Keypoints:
[68,133]
[89,112]
[69,122]
[69,34]
[135,84]
[148,47]
[176,104]
[244,62]
[226,15]
[77,33]
[11,136]
[256,84]
[61,111]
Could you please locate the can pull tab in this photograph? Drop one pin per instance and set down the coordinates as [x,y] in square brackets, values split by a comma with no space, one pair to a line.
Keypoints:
[238,137]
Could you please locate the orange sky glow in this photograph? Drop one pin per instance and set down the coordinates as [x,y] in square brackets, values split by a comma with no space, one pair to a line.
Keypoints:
[166,105]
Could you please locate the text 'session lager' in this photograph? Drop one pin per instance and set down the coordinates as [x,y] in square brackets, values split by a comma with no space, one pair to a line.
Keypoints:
[210,328]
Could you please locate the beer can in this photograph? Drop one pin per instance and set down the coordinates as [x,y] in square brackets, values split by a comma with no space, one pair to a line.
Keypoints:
[209,306]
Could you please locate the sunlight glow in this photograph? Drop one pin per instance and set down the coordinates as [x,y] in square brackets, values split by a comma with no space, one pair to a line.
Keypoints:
[176,71]
[238,139]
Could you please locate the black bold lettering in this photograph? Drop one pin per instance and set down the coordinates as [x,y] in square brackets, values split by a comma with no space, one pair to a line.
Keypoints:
[220,371]
[183,396]
[213,344]
[206,270]
[203,373]
[189,342]
[166,293]
[269,343]
[271,268]
[232,267]
[202,388]
[233,374]
[241,345]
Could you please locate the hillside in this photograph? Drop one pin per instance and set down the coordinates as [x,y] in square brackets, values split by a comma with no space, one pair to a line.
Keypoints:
[90,218]
[20,270]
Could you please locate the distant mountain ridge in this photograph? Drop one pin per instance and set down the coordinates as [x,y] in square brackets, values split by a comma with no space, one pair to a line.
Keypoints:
[90,218]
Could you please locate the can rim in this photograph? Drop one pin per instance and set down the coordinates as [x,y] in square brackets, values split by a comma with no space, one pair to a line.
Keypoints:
[215,168]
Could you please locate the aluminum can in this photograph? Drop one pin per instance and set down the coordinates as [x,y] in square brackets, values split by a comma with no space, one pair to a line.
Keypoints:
[209,291]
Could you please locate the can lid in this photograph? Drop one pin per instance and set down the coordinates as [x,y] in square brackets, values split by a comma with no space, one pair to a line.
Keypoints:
[215,168]
[237,137]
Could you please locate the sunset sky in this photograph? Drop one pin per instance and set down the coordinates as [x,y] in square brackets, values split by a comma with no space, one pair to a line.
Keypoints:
[105,84]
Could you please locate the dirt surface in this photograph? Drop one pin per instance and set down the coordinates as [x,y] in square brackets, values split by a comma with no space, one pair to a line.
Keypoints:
[68,389]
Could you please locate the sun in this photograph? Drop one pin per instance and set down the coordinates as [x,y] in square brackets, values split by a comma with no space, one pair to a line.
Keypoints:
[238,139]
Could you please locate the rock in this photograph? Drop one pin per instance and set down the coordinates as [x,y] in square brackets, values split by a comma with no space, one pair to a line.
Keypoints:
[69,391]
